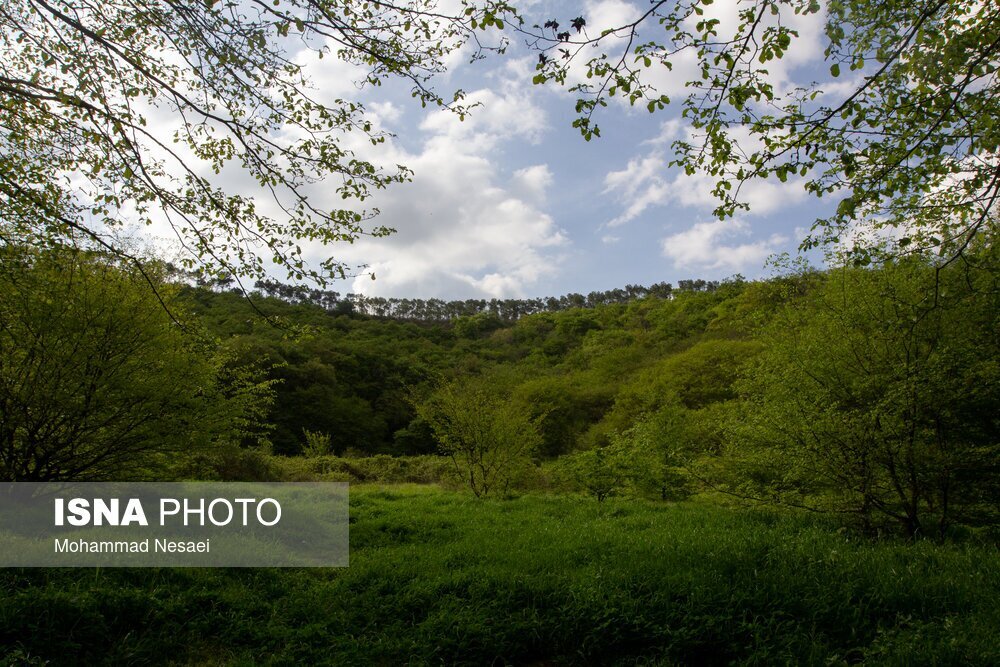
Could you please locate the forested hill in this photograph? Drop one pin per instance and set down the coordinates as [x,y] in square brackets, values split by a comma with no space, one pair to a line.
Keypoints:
[867,390]
[356,377]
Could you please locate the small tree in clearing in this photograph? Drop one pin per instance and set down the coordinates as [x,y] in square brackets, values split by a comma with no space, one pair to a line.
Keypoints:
[488,437]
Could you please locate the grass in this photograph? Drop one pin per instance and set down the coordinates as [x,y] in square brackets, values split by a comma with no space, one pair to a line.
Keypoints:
[439,578]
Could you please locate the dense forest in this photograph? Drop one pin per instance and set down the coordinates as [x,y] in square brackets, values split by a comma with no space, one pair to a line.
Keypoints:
[867,392]
[354,376]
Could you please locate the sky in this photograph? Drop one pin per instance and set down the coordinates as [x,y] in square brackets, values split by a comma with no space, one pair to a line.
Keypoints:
[513,203]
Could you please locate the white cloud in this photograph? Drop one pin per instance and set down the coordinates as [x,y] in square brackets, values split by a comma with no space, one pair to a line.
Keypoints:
[608,14]
[498,117]
[532,182]
[647,181]
[670,130]
[638,173]
[459,237]
[331,77]
[385,112]
[703,247]
[763,197]
[656,194]
[640,185]
[464,226]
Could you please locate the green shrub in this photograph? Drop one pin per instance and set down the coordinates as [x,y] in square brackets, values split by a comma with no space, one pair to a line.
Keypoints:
[317,443]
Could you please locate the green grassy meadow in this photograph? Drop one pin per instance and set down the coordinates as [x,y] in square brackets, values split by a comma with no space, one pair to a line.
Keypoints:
[437,577]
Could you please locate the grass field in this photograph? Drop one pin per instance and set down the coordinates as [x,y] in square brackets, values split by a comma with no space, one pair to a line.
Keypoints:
[439,578]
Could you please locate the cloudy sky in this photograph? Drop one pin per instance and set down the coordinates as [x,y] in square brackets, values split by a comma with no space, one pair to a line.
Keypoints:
[514,203]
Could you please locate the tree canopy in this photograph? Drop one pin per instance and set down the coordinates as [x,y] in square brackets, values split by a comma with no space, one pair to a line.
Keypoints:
[872,400]
[903,130]
[488,436]
[98,382]
[83,156]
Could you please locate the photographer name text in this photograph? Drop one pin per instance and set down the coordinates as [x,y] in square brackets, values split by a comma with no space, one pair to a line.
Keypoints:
[131,546]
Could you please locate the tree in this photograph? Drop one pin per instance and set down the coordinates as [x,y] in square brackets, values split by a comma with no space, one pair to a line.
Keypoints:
[908,138]
[602,471]
[81,157]
[97,382]
[489,438]
[876,396]
[659,448]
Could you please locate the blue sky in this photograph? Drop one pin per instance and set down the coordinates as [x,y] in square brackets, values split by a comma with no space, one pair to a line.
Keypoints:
[514,203]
